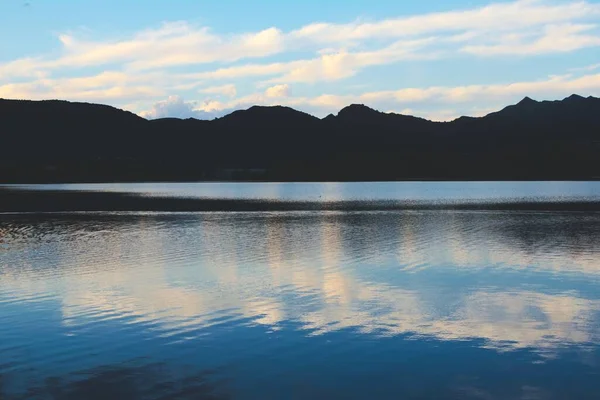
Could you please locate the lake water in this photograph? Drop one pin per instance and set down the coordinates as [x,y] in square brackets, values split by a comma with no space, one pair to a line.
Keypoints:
[425,192]
[317,304]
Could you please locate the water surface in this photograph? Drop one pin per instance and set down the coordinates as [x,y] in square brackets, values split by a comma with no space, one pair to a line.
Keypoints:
[351,191]
[423,304]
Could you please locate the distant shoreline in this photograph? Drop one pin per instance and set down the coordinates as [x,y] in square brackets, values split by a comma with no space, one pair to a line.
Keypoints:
[160,181]
[41,201]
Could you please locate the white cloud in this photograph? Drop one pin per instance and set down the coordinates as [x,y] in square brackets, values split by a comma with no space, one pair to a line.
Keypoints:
[241,71]
[587,68]
[25,67]
[106,86]
[554,39]
[119,88]
[506,17]
[326,67]
[177,107]
[555,86]
[278,91]
[49,89]
[225,90]
[558,26]
[464,100]
[147,66]
[172,44]
[343,64]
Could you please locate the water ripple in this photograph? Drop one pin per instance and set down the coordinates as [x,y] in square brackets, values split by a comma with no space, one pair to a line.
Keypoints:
[265,298]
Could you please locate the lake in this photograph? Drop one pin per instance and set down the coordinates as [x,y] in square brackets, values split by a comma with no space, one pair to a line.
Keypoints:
[310,301]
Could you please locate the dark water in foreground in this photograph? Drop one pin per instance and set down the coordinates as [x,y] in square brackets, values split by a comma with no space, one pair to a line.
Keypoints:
[415,304]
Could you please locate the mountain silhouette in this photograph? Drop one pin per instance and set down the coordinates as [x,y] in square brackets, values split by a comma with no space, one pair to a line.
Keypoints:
[60,141]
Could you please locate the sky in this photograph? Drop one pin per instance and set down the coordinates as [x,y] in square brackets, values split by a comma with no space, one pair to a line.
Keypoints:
[437,59]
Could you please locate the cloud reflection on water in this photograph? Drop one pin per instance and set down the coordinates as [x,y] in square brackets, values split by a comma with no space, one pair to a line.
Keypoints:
[446,275]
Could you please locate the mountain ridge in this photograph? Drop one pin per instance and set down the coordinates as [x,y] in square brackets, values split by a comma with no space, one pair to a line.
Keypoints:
[525,100]
[56,140]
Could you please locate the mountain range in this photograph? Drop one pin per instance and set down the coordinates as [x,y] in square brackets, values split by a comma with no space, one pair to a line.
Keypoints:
[60,141]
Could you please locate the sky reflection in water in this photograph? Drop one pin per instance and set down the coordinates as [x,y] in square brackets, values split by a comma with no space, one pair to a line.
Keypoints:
[420,304]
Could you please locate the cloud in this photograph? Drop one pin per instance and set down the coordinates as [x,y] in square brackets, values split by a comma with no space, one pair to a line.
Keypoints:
[225,90]
[554,86]
[187,59]
[587,68]
[48,90]
[506,17]
[327,67]
[24,67]
[466,99]
[556,27]
[177,107]
[173,44]
[278,91]
[555,39]
[342,64]
[241,71]
[106,86]
[120,88]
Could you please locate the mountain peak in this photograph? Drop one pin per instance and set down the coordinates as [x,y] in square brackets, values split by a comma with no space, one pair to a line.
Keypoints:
[356,110]
[526,100]
[356,106]
[267,115]
[268,109]
[575,97]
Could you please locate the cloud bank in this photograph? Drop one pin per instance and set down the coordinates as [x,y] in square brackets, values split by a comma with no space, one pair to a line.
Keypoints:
[150,71]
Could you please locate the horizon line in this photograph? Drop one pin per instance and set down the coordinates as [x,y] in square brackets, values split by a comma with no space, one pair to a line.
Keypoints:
[526,98]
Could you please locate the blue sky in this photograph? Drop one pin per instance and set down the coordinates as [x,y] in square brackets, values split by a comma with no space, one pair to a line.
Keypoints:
[184,58]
